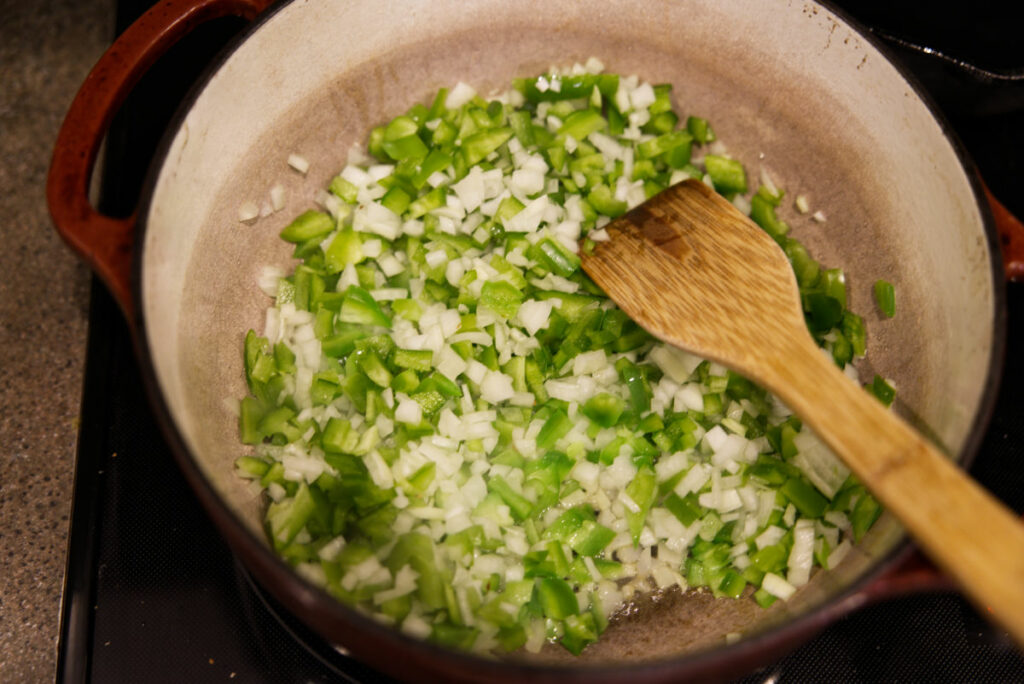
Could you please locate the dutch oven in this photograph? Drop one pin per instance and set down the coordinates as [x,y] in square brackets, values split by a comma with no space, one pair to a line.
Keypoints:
[791,86]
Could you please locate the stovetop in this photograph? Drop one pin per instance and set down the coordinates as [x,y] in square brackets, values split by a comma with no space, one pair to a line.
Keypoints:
[153,594]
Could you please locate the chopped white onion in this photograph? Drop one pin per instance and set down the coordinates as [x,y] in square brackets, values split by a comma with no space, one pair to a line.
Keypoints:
[299,163]
[248,211]
[776,586]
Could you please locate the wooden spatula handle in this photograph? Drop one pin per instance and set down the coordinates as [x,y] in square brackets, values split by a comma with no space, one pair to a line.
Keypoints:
[962,527]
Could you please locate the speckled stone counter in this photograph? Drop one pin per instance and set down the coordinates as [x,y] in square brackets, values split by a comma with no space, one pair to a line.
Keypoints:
[46,50]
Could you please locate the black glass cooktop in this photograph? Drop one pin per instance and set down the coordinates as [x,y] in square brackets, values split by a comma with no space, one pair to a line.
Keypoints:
[154,595]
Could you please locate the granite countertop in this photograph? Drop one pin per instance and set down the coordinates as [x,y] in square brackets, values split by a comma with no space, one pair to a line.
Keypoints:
[46,50]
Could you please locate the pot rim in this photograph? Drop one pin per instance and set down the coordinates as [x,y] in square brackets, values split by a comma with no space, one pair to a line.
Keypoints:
[282,581]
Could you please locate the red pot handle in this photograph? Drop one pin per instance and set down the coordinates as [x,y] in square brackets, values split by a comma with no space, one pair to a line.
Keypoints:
[104,242]
[1011,237]
[913,574]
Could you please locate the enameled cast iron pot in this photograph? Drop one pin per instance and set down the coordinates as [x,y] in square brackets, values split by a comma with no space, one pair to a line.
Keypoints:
[789,85]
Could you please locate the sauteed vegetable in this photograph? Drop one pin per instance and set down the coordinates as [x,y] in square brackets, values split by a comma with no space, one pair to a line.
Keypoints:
[458,433]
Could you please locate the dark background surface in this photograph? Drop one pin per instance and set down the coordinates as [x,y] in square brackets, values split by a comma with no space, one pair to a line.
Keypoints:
[154,595]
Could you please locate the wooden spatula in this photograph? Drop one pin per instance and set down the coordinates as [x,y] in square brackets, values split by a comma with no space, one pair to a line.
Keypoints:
[698,274]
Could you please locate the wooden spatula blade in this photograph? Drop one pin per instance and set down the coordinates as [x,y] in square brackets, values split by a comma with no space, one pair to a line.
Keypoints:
[740,289]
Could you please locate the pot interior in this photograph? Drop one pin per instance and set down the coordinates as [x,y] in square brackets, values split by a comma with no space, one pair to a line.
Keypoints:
[788,87]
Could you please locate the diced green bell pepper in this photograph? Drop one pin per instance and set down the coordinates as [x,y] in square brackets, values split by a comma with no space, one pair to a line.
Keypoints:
[309,225]
[727,175]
